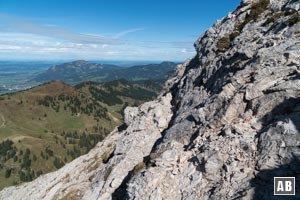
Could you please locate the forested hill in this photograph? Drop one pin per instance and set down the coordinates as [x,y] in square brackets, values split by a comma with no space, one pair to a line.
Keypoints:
[81,71]
[44,127]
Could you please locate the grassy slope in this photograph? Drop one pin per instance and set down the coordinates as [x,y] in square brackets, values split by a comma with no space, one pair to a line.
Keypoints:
[34,126]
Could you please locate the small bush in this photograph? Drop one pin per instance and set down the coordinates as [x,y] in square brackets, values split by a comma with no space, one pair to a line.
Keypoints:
[138,167]
[7,173]
[223,44]
[57,163]
[256,10]
[148,160]
[273,18]
[293,19]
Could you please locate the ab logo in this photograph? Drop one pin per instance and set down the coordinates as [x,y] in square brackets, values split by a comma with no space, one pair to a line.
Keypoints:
[284,185]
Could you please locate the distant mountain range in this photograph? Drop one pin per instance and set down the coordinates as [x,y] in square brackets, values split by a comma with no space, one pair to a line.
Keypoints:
[81,71]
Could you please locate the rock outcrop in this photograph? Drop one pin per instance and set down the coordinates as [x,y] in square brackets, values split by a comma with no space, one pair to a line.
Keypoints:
[224,126]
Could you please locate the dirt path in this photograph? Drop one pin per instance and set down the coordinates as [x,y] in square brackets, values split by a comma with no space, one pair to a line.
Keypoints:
[114,118]
[3,121]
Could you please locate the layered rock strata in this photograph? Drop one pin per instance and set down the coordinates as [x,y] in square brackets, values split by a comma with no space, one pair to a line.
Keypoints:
[224,126]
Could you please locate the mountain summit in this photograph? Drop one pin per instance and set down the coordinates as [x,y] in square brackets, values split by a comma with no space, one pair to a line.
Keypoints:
[225,125]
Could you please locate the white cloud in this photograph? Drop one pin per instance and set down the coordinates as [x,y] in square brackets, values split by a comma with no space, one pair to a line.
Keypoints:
[123,33]
[21,39]
[15,24]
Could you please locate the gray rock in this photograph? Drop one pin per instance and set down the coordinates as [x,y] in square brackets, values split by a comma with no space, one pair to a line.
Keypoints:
[225,124]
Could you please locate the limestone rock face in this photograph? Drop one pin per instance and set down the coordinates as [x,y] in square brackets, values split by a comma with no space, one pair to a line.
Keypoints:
[224,126]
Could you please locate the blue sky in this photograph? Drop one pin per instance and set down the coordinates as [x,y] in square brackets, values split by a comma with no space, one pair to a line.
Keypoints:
[105,29]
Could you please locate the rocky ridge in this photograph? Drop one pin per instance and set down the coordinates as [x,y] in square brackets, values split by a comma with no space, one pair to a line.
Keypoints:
[224,126]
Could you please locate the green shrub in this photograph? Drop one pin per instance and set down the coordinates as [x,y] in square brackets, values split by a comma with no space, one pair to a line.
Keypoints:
[256,10]
[7,173]
[223,44]
[138,167]
[293,19]
[57,163]
[273,18]
[148,160]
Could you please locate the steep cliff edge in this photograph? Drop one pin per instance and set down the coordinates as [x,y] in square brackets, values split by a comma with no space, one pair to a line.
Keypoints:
[227,122]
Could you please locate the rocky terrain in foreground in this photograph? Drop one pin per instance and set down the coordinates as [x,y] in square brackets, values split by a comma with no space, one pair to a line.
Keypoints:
[225,125]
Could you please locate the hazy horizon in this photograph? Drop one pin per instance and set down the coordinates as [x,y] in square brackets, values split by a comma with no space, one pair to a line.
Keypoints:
[121,63]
